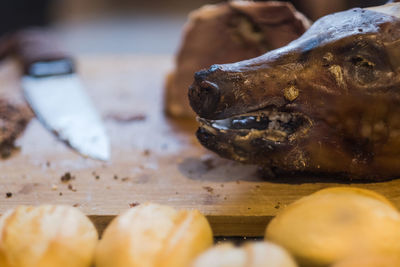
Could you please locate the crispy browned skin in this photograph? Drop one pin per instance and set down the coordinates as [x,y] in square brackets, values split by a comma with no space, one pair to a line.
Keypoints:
[327,103]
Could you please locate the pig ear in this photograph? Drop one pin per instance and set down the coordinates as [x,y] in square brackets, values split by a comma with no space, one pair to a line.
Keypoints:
[270,12]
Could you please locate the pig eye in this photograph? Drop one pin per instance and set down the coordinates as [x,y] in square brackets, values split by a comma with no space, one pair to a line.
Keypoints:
[359,61]
[362,70]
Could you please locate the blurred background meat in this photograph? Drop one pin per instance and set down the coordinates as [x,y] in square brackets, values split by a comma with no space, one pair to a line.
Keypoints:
[128,26]
[13,120]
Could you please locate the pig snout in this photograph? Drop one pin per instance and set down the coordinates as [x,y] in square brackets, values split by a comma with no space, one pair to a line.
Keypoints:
[204,95]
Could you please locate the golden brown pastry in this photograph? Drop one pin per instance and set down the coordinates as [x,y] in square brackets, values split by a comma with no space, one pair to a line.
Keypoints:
[152,235]
[335,223]
[256,254]
[368,260]
[46,236]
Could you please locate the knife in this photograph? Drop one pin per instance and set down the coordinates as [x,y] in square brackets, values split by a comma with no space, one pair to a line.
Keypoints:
[53,90]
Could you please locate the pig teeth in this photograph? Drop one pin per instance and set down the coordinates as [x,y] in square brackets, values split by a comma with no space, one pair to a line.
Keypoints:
[263,121]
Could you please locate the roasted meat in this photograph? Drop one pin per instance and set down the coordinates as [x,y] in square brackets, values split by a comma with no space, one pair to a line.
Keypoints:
[225,33]
[13,120]
[327,103]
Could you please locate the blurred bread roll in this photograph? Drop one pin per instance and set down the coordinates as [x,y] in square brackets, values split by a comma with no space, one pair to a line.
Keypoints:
[368,260]
[46,236]
[256,254]
[152,235]
[335,223]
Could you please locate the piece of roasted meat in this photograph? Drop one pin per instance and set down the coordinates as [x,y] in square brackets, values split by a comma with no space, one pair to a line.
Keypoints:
[13,120]
[327,103]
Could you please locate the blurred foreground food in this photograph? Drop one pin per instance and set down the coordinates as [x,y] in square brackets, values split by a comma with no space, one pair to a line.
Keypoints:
[257,254]
[336,223]
[152,235]
[370,260]
[46,236]
[337,227]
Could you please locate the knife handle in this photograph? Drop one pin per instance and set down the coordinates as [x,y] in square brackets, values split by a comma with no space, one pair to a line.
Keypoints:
[6,45]
[40,54]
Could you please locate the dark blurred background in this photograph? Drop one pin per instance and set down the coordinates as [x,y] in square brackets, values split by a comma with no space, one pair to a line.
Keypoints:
[127,26]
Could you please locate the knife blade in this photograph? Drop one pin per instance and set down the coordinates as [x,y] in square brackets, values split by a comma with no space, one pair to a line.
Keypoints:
[53,90]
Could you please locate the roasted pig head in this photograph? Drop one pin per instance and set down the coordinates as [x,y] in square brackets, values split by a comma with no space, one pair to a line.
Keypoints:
[327,103]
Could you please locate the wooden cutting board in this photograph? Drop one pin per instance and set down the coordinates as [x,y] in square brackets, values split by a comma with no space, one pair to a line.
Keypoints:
[154,158]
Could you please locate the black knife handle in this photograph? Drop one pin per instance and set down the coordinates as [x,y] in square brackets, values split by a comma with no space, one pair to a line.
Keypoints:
[6,45]
[40,54]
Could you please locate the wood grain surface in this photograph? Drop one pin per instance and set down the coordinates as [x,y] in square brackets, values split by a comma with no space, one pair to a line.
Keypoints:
[154,158]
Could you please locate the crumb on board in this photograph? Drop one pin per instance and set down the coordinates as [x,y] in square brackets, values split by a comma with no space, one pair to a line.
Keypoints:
[6,150]
[96,176]
[72,188]
[124,179]
[8,194]
[76,205]
[146,152]
[66,177]
[60,194]
[133,204]
[115,177]
[54,187]
[237,182]
[209,189]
